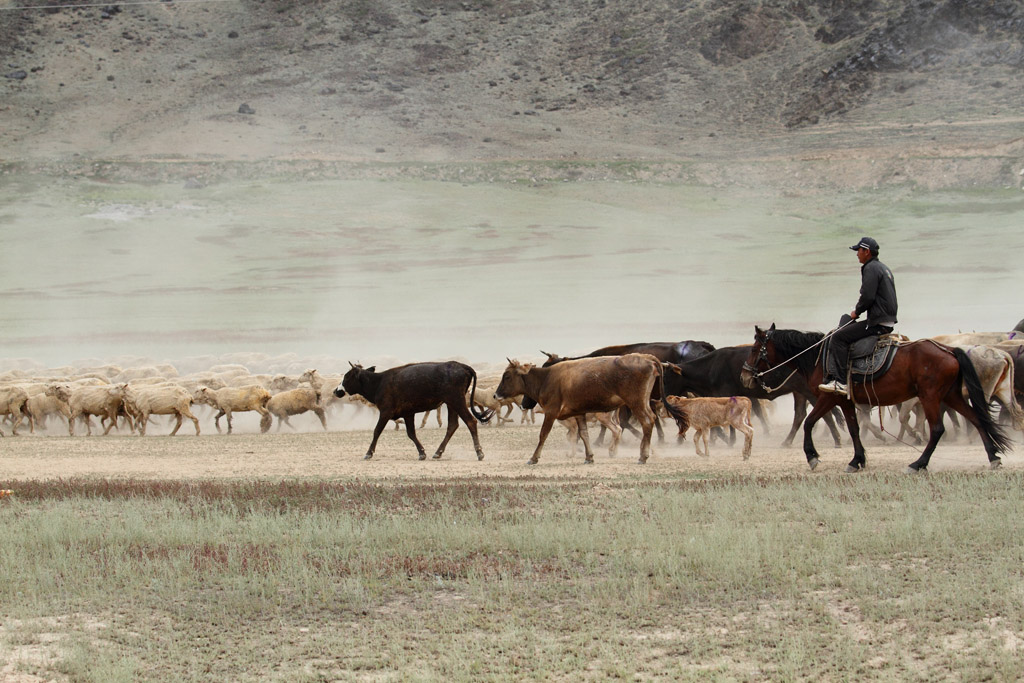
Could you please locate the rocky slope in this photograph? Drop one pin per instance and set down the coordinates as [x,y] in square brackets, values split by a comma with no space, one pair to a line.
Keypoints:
[931,87]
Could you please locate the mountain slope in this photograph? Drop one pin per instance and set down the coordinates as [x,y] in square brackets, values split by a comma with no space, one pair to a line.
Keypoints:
[420,80]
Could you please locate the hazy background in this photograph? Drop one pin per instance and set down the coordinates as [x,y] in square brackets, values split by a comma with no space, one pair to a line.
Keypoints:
[423,179]
[400,271]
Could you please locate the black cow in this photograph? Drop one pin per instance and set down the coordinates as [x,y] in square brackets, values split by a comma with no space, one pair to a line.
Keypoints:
[666,352]
[416,388]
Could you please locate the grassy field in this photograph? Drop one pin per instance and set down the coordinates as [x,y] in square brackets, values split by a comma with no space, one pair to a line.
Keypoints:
[642,576]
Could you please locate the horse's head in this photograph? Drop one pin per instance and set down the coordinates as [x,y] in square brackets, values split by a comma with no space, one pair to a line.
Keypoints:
[760,359]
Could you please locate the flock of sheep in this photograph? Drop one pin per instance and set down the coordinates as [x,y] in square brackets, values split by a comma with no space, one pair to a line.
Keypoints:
[126,398]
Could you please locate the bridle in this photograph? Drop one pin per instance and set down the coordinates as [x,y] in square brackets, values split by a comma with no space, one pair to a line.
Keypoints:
[762,357]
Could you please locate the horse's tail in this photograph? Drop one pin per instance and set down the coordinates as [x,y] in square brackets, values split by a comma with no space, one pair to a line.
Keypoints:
[482,415]
[979,405]
[676,414]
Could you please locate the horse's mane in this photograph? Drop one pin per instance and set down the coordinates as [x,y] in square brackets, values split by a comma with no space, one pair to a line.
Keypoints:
[789,343]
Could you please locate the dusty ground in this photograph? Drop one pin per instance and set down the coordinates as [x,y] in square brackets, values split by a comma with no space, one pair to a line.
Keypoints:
[339,455]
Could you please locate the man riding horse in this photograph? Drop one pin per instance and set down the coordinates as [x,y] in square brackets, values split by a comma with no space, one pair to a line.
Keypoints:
[877,299]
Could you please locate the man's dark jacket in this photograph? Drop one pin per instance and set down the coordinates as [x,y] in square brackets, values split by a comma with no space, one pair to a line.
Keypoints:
[877,294]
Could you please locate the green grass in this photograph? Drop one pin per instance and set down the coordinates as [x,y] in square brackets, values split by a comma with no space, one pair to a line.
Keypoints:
[872,576]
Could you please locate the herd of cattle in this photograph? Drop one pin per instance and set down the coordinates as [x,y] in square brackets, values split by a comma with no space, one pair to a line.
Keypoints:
[691,382]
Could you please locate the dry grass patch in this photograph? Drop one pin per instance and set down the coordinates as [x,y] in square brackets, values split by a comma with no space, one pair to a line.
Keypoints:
[875,576]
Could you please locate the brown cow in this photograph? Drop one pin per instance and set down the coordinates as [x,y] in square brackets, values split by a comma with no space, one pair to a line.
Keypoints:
[574,388]
[706,412]
[415,388]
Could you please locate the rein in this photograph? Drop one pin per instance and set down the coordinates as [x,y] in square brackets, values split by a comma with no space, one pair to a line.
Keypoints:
[763,356]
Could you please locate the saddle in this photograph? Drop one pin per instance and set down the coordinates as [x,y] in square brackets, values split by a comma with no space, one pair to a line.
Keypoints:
[871,356]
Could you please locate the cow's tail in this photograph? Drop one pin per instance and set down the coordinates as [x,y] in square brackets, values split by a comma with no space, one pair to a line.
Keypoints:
[676,414]
[979,405]
[482,415]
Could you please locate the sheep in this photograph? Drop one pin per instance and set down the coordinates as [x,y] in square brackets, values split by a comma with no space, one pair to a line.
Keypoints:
[609,419]
[84,401]
[12,402]
[41,406]
[279,383]
[231,400]
[484,397]
[293,402]
[707,412]
[164,399]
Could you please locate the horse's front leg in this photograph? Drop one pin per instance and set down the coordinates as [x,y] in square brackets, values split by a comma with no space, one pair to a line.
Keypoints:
[824,404]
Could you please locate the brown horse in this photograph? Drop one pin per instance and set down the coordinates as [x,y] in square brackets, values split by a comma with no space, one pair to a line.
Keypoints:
[928,370]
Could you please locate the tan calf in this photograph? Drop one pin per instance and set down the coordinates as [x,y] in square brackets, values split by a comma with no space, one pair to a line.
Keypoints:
[707,412]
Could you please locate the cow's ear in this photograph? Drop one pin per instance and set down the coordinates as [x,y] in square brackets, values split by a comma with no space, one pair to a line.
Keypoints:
[372,368]
[772,328]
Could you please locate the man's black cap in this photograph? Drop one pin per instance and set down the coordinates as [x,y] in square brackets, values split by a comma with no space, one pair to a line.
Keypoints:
[866,243]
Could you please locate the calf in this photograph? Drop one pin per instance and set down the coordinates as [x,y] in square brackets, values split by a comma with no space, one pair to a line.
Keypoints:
[415,388]
[574,388]
[704,413]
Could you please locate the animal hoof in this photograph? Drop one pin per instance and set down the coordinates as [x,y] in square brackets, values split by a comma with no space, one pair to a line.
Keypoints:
[588,461]
[916,470]
[853,468]
[531,462]
[367,456]
[995,464]
[437,456]
[812,463]
[641,461]
[479,455]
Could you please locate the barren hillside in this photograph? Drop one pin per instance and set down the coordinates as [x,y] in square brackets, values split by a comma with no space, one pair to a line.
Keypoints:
[923,84]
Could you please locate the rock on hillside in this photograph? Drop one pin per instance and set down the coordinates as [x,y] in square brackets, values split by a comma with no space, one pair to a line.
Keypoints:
[447,80]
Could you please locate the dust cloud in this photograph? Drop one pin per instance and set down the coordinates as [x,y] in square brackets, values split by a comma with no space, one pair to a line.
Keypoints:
[286,274]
